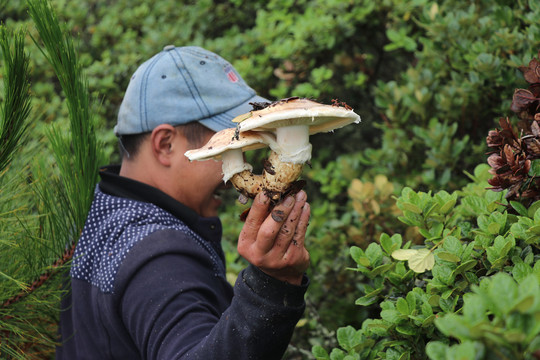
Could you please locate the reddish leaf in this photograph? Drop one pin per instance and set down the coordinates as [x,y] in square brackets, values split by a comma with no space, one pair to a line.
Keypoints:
[531,73]
[522,101]
[494,139]
[496,161]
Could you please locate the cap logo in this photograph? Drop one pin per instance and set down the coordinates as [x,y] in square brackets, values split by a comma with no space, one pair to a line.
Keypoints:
[230,74]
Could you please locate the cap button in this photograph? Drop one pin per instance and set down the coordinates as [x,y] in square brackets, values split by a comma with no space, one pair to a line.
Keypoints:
[168,48]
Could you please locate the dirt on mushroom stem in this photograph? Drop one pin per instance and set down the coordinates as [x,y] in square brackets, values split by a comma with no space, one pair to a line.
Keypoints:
[277,178]
[277,198]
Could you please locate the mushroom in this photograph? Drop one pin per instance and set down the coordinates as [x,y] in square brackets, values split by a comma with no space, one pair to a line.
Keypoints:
[293,120]
[229,145]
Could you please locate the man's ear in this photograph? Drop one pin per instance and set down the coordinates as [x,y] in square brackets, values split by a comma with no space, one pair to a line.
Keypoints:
[162,141]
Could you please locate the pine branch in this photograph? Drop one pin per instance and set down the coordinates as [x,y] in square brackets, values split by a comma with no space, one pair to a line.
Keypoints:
[15,110]
[79,155]
[68,254]
[28,317]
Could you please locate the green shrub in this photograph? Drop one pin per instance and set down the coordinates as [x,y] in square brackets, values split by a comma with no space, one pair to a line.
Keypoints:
[427,77]
[475,280]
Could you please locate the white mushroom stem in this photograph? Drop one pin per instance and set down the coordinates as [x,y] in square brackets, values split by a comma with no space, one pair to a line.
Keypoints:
[287,159]
[293,144]
[233,163]
[240,173]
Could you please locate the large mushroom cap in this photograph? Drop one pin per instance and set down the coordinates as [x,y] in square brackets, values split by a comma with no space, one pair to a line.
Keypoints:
[230,139]
[296,111]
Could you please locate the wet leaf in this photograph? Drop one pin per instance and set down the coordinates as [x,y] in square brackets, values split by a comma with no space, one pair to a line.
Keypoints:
[422,261]
[419,260]
[404,254]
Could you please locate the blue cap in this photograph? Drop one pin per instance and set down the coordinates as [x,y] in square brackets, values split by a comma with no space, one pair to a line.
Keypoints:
[180,85]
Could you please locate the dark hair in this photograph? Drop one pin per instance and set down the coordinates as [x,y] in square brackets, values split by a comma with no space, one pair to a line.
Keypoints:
[129,145]
[194,132]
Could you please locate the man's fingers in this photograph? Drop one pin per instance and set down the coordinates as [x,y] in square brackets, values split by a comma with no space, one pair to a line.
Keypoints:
[289,226]
[270,228]
[300,233]
[257,215]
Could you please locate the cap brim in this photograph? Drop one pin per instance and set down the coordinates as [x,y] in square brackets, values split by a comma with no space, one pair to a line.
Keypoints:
[224,120]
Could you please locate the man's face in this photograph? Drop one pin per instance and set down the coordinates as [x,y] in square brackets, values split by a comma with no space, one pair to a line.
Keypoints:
[201,183]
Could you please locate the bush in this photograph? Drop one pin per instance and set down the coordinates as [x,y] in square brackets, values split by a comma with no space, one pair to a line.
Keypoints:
[427,77]
[469,292]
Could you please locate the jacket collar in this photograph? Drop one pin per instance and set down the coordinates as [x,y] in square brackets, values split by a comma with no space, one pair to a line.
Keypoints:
[113,184]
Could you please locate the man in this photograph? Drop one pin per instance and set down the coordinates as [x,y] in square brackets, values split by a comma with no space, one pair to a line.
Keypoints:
[148,275]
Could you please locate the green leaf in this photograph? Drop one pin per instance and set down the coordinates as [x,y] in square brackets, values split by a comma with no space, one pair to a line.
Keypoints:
[359,257]
[434,300]
[381,269]
[392,316]
[519,207]
[390,244]
[337,354]
[429,320]
[467,350]
[535,168]
[366,300]
[534,229]
[411,301]
[453,325]
[407,329]
[467,252]
[452,244]
[536,216]
[348,337]
[386,243]
[448,304]
[374,254]
[320,353]
[494,228]
[436,350]
[447,256]
[466,266]
[425,233]
[474,308]
[503,292]
[533,208]
[447,293]
[402,306]
[444,274]
[447,207]
[525,304]
[414,218]
[521,271]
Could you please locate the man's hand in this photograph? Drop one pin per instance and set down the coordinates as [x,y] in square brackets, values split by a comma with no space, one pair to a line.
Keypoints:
[274,240]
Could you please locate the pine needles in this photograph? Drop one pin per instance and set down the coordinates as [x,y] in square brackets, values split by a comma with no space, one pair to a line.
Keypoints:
[77,158]
[42,209]
[15,109]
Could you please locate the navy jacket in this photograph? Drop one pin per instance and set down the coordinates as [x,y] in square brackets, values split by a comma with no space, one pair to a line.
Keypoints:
[148,282]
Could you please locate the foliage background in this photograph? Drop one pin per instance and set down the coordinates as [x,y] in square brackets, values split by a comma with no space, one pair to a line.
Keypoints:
[429,79]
